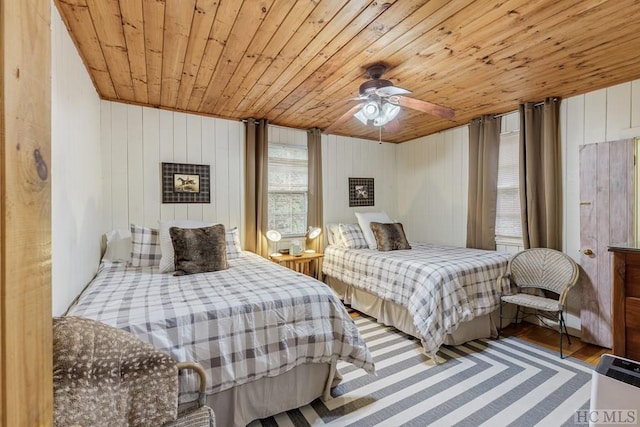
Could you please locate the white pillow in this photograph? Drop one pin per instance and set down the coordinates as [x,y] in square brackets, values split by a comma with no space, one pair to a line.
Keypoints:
[167,262]
[333,233]
[366,218]
[118,246]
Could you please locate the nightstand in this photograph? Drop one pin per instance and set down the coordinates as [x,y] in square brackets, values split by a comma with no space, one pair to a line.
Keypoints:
[307,263]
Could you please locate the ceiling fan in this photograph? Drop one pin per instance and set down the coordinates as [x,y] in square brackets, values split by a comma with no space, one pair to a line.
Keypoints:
[381,102]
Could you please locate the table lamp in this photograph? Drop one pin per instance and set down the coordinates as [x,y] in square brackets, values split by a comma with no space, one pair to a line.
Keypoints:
[273,236]
[311,234]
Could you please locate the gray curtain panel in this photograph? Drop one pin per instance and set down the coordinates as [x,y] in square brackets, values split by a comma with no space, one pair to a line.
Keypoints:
[314,207]
[484,148]
[540,175]
[256,186]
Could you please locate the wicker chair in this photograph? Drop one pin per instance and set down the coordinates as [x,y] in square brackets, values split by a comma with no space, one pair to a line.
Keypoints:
[544,270]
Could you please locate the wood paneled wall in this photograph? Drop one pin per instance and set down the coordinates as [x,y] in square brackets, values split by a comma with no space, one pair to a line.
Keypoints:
[136,140]
[432,182]
[432,174]
[344,157]
[76,178]
[26,397]
[603,115]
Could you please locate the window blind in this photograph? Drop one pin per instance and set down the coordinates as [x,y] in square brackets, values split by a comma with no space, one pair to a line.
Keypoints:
[508,205]
[288,188]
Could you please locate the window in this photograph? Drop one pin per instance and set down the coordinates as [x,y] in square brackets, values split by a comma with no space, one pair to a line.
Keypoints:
[288,175]
[508,225]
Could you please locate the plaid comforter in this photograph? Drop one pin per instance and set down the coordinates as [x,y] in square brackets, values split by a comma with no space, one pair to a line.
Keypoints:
[441,286]
[253,320]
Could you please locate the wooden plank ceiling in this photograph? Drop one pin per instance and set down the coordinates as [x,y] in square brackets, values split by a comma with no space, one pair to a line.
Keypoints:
[296,62]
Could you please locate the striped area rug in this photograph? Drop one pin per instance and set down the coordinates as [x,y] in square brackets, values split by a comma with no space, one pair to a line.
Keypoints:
[482,383]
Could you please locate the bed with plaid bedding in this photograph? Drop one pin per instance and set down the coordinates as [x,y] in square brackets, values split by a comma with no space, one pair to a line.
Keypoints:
[256,319]
[440,286]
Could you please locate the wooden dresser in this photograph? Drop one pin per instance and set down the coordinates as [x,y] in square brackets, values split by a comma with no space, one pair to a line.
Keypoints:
[625,304]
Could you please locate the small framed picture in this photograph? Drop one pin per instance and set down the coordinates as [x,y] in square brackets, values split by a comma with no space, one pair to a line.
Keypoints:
[185,183]
[361,192]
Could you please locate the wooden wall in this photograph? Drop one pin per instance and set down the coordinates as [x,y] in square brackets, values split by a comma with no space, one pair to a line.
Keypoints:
[76,178]
[603,115]
[344,157]
[432,187]
[26,397]
[432,173]
[135,140]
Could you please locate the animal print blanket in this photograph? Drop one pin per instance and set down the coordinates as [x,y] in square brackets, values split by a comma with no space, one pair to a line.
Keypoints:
[106,376]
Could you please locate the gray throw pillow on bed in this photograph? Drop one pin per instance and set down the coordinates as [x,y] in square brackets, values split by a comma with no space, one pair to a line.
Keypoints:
[199,250]
[389,237]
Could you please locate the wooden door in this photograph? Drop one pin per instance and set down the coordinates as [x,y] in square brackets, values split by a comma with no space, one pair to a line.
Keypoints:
[26,391]
[607,197]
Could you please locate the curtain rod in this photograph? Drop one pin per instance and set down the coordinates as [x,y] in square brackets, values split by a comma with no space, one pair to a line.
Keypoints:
[537,104]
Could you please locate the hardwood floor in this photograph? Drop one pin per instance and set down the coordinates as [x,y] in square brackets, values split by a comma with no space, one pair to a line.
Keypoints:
[549,338]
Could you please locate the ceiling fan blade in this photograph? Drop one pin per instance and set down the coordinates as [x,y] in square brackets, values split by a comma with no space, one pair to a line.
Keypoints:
[343,118]
[426,107]
[391,90]
[393,126]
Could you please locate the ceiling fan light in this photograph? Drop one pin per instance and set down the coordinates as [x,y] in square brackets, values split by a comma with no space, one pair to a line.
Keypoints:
[371,110]
[360,116]
[388,113]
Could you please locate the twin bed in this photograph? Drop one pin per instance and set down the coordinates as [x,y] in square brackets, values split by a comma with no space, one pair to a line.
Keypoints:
[438,294]
[269,338]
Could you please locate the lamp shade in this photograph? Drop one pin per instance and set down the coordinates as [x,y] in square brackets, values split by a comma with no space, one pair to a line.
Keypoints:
[371,110]
[360,116]
[388,113]
[274,235]
[313,232]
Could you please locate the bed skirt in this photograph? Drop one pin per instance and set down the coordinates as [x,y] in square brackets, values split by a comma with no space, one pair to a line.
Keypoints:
[271,395]
[392,314]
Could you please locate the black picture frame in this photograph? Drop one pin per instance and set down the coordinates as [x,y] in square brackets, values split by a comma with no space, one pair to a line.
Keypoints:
[361,192]
[185,183]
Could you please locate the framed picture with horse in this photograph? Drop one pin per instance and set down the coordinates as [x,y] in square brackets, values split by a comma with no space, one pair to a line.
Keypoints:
[185,183]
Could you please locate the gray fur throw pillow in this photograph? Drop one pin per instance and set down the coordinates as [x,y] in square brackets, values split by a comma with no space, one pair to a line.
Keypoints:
[199,250]
[389,237]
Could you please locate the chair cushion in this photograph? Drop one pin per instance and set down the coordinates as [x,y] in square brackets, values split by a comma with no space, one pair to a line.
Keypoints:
[533,301]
